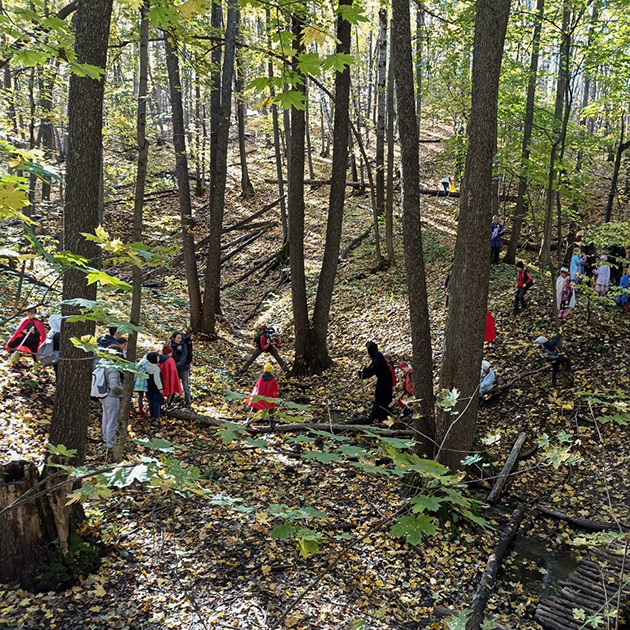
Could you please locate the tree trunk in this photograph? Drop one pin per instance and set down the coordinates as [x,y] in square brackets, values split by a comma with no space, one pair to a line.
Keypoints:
[319,359]
[212,284]
[309,147]
[468,300]
[136,232]
[183,183]
[216,22]
[412,229]
[389,205]
[305,339]
[621,147]
[71,412]
[419,27]
[381,73]
[519,211]
[247,190]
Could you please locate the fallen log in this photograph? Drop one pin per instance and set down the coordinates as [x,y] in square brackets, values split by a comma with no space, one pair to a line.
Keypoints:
[293,427]
[249,272]
[482,594]
[582,523]
[507,468]
[256,214]
[355,242]
[248,241]
[28,278]
[514,381]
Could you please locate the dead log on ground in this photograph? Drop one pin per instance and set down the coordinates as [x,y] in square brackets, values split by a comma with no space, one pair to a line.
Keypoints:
[293,427]
[482,594]
[582,523]
[514,381]
[28,278]
[269,260]
[252,236]
[355,243]
[507,468]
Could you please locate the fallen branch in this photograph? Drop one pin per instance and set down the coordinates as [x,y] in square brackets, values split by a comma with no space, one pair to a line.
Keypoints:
[28,277]
[480,599]
[249,272]
[582,523]
[256,214]
[248,241]
[507,468]
[514,381]
[293,427]
[355,242]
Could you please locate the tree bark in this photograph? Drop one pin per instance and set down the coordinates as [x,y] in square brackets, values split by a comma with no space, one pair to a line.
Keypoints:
[319,359]
[412,229]
[621,147]
[389,204]
[519,211]
[468,300]
[136,231]
[71,412]
[381,74]
[247,189]
[183,183]
[212,284]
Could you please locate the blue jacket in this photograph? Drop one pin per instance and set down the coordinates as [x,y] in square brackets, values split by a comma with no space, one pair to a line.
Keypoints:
[496,238]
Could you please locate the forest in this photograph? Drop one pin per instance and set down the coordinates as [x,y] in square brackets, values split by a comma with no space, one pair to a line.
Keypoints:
[314,315]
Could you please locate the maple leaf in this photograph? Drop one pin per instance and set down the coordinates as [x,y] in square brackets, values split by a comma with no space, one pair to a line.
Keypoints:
[313,35]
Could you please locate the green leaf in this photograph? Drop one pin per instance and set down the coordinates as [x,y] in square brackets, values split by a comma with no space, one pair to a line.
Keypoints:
[30,58]
[158,444]
[230,395]
[424,502]
[291,98]
[332,436]
[61,450]
[104,279]
[352,13]
[338,61]
[258,442]
[283,531]
[300,439]
[429,466]
[289,404]
[413,528]
[309,63]
[322,456]
[352,451]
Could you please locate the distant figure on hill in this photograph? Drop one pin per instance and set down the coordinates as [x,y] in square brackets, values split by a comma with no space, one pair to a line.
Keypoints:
[266,386]
[524,282]
[617,255]
[383,393]
[549,349]
[577,265]
[602,277]
[266,339]
[624,285]
[29,335]
[407,388]
[491,330]
[111,338]
[496,231]
[565,294]
[487,378]
[447,185]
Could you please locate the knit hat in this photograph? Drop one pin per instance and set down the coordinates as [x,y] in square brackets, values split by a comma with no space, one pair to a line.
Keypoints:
[603,257]
[268,368]
[152,357]
[485,365]
[402,365]
[166,349]
[564,269]
[540,340]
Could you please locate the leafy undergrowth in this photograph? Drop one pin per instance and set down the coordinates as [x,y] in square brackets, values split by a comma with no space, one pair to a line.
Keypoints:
[178,561]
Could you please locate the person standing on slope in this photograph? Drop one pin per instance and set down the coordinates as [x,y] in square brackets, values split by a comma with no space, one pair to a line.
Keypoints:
[384,389]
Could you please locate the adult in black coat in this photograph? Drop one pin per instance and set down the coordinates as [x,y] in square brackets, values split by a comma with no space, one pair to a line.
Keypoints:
[383,393]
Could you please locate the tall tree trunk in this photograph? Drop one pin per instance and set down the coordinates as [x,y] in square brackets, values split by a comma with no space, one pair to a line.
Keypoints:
[216,22]
[136,231]
[71,412]
[199,143]
[519,211]
[468,300]
[621,147]
[183,182]
[381,74]
[212,283]
[419,27]
[304,332]
[247,189]
[389,205]
[412,229]
[309,147]
[317,359]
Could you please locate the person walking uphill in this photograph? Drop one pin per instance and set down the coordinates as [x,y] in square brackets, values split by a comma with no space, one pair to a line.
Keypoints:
[549,349]
[182,355]
[524,282]
[266,339]
[496,230]
[384,389]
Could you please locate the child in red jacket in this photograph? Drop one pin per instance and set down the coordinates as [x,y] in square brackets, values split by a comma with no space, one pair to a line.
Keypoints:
[266,386]
[30,334]
[171,384]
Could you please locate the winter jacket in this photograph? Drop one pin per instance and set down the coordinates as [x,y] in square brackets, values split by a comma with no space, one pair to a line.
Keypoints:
[624,283]
[577,266]
[28,337]
[486,381]
[603,275]
[497,232]
[180,356]
[380,369]
[565,295]
[114,383]
[170,378]
[550,347]
[491,329]
[106,340]
[266,386]
[524,278]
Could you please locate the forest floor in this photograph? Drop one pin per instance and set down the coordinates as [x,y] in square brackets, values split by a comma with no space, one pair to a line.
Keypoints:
[186,562]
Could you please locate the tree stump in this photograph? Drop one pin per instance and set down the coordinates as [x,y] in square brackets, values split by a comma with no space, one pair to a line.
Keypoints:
[26,530]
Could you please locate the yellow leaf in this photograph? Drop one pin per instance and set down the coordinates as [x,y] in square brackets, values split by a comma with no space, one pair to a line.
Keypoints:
[99,591]
[266,569]
[313,34]
[266,102]
[190,7]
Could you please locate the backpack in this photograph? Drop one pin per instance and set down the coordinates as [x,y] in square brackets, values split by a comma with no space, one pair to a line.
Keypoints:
[529,282]
[260,331]
[187,341]
[100,387]
[47,355]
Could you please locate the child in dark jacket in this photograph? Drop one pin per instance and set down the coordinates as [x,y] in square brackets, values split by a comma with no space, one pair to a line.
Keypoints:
[549,349]
[154,386]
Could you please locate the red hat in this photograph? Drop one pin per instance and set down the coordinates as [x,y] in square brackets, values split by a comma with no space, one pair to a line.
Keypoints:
[166,349]
[402,365]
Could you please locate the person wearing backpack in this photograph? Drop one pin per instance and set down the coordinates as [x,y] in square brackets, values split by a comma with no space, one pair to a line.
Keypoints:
[107,387]
[384,389]
[112,337]
[183,355]
[496,232]
[524,282]
[550,352]
[266,339]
